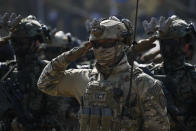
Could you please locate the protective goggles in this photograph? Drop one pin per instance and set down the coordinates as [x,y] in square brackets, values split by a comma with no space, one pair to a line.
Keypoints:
[103,43]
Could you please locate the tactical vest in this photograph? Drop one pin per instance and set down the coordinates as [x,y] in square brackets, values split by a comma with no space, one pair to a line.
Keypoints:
[101,108]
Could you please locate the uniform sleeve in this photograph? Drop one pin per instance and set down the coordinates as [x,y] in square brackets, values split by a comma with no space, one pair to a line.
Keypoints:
[152,103]
[54,80]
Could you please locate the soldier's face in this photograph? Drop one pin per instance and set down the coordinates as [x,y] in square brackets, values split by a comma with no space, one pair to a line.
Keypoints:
[24,46]
[105,56]
[172,48]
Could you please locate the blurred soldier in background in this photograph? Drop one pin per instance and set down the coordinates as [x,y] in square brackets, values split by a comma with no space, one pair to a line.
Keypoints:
[60,42]
[180,77]
[30,108]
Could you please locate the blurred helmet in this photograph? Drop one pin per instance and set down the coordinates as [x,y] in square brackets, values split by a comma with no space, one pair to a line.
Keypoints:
[176,28]
[111,28]
[29,27]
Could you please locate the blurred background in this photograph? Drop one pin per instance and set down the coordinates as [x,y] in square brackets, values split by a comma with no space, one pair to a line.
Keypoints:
[71,15]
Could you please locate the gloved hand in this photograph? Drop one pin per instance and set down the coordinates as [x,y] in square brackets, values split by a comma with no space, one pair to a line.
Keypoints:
[9,21]
[150,27]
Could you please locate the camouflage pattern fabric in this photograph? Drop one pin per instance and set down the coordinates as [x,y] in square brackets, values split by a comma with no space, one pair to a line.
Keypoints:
[179,77]
[148,109]
[44,112]
[33,101]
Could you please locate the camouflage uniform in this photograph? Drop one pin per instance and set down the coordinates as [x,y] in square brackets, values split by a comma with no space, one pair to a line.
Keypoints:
[102,92]
[44,112]
[180,79]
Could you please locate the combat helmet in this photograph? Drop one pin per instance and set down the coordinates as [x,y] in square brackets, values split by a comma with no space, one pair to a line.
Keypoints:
[175,27]
[29,27]
[111,28]
[170,28]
